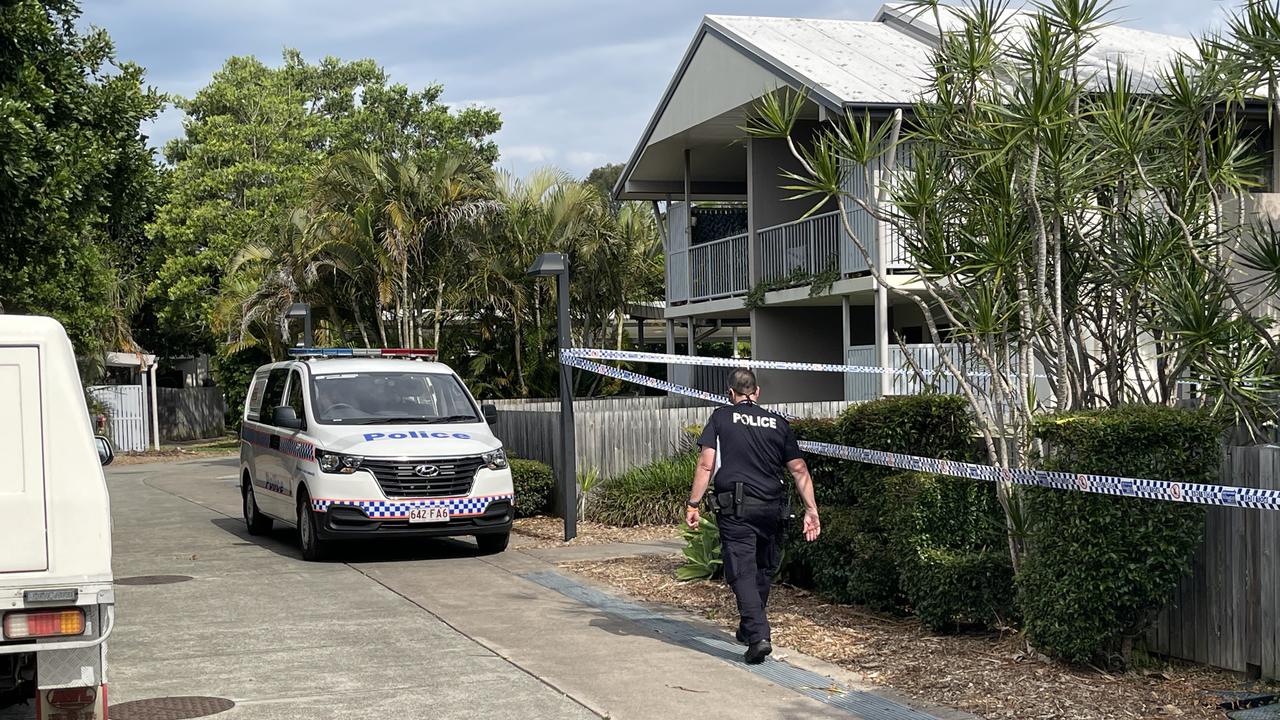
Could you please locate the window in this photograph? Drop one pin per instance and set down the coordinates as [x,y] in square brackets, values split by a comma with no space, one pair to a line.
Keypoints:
[273,395]
[294,399]
[259,387]
[392,397]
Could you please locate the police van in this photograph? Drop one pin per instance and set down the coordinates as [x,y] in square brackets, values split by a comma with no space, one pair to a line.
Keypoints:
[348,443]
[57,602]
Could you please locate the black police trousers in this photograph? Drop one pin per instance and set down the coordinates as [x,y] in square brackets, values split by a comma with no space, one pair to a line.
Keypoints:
[750,549]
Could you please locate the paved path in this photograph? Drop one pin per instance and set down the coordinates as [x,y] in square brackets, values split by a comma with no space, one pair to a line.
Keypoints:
[408,630]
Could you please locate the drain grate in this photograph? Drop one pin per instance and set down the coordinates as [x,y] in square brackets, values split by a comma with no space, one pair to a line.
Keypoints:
[170,708]
[153,580]
[819,687]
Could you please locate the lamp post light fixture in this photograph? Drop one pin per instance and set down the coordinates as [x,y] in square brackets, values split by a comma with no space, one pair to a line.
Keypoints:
[557,264]
[302,310]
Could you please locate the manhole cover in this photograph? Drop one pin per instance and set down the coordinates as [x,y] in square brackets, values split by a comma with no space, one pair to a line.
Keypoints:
[169,708]
[153,580]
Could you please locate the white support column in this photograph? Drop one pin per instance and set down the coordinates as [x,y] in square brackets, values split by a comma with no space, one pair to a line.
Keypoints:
[882,293]
[735,342]
[845,341]
[693,337]
[671,348]
[155,407]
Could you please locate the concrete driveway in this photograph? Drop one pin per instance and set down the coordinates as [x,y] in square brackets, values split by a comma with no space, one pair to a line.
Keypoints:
[426,629]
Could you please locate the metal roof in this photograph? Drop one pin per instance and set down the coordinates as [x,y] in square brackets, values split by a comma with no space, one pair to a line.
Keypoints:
[840,63]
[845,61]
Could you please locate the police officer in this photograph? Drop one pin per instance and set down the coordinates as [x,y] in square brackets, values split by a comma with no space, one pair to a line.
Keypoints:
[746,447]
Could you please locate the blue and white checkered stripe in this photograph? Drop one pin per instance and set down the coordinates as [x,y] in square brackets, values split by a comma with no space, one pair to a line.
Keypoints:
[394,509]
[1199,493]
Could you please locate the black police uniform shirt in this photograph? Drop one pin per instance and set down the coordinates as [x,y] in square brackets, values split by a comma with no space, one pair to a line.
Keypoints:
[752,446]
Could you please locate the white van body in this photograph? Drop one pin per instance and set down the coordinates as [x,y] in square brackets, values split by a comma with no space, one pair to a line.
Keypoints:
[55,520]
[347,448]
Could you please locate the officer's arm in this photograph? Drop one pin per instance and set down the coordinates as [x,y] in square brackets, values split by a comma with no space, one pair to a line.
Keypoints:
[804,483]
[702,475]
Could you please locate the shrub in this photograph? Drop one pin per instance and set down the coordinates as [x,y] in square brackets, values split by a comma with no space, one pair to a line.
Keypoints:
[535,487]
[652,494]
[951,588]
[701,552]
[854,560]
[845,564]
[1101,566]
[948,543]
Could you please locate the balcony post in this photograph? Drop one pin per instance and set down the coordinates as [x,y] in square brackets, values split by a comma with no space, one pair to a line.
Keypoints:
[845,341]
[753,244]
[882,293]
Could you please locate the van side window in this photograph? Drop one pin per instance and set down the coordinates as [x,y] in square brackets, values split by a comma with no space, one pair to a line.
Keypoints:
[294,399]
[254,406]
[273,396]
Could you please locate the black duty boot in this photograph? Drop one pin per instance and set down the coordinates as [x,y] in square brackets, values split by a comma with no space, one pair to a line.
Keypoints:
[757,652]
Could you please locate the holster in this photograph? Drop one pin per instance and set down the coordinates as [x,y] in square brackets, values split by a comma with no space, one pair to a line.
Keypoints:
[732,502]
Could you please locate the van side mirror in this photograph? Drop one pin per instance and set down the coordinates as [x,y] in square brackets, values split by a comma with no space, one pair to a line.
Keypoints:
[285,417]
[490,413]
[105,454]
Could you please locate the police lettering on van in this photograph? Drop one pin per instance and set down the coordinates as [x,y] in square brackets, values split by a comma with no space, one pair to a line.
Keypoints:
[423,461]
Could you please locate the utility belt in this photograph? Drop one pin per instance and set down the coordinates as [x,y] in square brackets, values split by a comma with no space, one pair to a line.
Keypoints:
[737,502]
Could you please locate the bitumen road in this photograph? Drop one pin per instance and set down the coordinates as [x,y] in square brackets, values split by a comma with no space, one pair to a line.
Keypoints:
[422,629]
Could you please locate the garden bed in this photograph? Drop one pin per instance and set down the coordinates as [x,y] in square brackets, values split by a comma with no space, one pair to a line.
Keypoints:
[548,532]
[987,674]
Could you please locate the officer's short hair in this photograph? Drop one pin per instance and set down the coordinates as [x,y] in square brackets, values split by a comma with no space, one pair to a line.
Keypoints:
[742,381]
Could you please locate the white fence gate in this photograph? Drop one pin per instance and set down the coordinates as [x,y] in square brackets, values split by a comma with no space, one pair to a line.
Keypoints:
[127,416]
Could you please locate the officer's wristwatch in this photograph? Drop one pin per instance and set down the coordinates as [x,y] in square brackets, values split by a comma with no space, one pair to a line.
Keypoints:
[693,504]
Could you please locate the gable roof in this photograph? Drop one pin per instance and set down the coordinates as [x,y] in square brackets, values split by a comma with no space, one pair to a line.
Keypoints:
[734,60]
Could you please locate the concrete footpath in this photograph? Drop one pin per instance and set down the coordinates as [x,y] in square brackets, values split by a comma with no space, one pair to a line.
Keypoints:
[411,630]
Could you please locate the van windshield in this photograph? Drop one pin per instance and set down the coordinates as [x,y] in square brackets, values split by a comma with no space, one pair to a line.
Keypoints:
[390,397]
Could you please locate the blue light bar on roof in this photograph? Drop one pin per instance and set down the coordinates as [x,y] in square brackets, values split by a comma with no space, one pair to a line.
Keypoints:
[306,352]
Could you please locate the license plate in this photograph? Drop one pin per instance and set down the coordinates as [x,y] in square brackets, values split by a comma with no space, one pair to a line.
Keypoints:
[433,514]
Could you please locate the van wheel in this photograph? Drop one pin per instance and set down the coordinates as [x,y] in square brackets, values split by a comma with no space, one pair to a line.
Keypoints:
[313,548]
[254,520]
[493,543]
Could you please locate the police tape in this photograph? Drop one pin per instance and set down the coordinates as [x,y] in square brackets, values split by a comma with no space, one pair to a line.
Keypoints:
[702,361]
[1165,490]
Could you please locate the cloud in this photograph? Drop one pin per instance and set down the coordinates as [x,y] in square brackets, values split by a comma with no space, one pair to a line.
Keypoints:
[574,80]
[529,153]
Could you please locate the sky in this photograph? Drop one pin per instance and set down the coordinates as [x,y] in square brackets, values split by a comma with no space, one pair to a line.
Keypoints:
[575,80]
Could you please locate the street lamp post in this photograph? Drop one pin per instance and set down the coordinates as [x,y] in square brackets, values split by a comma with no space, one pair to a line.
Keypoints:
[302,310]
[557,264]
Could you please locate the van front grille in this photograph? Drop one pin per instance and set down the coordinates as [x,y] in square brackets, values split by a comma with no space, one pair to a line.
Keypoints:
[424,477]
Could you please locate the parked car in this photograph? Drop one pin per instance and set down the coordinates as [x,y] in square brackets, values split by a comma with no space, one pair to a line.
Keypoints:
[57,603]
[351,444]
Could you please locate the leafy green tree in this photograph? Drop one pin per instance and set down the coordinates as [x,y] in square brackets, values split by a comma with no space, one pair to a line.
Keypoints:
[77,180]
[254,139]
[603,179]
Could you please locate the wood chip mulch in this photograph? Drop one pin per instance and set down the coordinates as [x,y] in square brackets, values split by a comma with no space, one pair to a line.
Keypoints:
[988,675]
[169,455]
[548,532]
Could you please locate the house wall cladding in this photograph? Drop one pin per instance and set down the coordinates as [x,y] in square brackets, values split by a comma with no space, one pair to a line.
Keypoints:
[191,413]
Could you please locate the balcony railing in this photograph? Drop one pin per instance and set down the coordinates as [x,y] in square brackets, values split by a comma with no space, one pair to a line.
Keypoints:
[793,251]
[926,357]
[800,248]
[709,271]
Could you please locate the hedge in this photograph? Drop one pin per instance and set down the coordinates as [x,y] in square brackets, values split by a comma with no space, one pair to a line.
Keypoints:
[1101,566]
[652,494]
[856,559]
[534,486]
[948,543]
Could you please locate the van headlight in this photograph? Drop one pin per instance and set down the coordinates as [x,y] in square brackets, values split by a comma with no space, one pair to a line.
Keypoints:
[332,462]
[495,459]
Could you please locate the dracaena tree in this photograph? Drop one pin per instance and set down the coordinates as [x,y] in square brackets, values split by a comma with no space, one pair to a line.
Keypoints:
[1082,232]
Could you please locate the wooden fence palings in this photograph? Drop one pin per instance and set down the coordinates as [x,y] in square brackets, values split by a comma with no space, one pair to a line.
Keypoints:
[1224,612]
